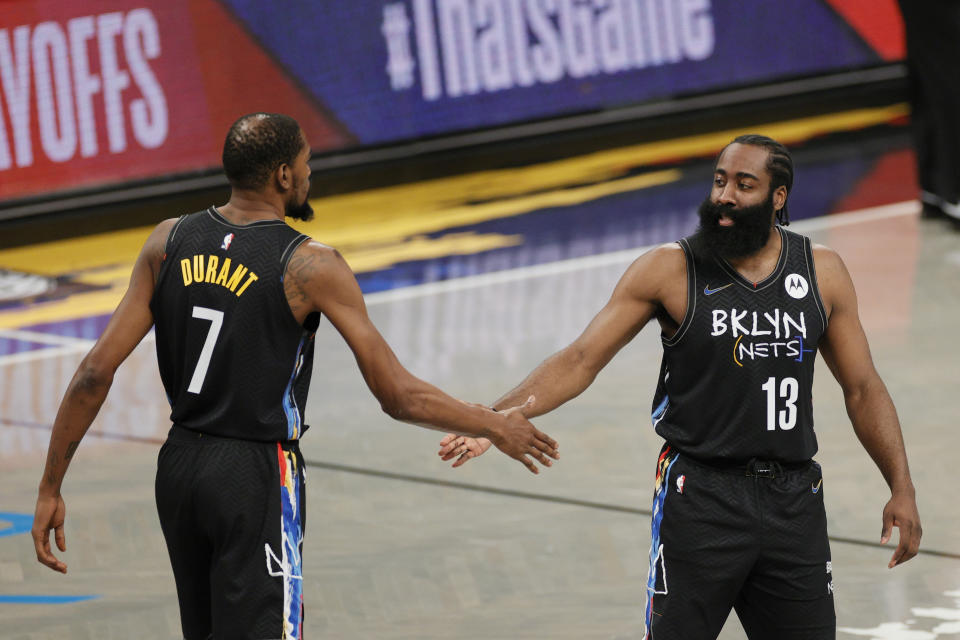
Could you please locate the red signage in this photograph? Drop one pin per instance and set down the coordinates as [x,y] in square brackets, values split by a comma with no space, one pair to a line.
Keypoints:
[105,91]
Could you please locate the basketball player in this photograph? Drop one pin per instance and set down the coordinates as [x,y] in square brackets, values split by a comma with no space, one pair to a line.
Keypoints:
[236,295]
[743,307]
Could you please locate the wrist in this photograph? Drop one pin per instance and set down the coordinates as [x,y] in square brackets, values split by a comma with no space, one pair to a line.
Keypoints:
[48,491]
[904,488]
[494,427]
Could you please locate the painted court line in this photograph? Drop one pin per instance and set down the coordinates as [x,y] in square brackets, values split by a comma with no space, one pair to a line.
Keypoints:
[40,354]
[29,599]
[78,346]
[44,338]
[871,214]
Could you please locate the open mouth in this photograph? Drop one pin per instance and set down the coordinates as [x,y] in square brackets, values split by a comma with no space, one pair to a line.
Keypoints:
[725,220]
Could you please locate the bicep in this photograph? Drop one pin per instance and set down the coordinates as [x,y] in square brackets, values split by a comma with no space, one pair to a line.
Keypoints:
[844,345]
[133,318]
[334,292]
[629,309]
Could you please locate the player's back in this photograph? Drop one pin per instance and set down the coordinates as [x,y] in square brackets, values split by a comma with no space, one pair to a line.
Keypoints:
[233,359]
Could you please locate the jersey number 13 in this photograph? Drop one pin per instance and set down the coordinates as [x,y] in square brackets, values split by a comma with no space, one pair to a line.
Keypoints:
[786,417]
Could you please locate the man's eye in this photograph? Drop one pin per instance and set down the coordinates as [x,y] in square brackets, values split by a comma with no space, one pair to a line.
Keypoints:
[744,185]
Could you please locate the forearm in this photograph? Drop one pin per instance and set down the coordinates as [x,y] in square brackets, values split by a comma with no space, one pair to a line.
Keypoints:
[561,377]
[79,407]
[417,402]
[877,427]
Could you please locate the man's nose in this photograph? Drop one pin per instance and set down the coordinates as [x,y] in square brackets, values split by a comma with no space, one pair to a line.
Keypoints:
[727,194]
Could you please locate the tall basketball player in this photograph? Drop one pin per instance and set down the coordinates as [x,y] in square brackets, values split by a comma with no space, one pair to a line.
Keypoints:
[235,295]
[743,307]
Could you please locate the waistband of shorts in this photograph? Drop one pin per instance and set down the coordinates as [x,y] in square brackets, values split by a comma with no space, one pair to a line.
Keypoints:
[754,467]
[185,435]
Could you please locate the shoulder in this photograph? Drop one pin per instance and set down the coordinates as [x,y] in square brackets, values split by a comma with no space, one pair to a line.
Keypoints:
[656,271]
[314,262]
[664,258]
[155,248]
[828,263]
[833,279]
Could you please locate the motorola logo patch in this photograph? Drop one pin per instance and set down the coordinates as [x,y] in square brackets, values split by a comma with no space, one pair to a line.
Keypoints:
[796,285]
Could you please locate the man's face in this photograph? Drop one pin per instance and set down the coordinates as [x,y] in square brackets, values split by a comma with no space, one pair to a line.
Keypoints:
[737,216]
[298,207]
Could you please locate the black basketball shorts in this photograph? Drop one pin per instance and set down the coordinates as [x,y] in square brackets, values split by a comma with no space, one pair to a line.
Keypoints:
[751,538]
[232,512]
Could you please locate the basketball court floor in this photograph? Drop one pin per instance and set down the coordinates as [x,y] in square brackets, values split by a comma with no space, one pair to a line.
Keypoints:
[473,280]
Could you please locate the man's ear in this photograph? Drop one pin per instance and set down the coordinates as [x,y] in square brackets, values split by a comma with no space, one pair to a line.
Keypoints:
[779,197]
[284,177]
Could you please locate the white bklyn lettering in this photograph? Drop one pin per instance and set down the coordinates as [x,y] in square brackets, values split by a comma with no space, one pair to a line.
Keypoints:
[763,324]
[487,46]
[58,57]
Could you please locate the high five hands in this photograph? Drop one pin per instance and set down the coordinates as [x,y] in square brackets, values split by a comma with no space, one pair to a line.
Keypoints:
[520,440]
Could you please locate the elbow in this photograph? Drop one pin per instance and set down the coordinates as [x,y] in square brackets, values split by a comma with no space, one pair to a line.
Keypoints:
[91,378]
[577,360]
[862,390]
[396,403]
[394,408]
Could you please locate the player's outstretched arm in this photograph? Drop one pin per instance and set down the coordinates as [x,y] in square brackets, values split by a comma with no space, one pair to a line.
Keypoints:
[318,279]
[874,418]
[567,373]
[87,391]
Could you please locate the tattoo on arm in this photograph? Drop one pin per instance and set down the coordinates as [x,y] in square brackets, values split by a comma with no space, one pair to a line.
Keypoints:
[71,449]
[51,468]
[301,269]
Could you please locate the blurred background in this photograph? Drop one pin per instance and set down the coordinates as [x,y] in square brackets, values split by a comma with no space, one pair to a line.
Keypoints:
[488,168]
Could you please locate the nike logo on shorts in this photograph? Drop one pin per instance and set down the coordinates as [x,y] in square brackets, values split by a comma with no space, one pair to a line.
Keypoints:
[707,291]
[816,487]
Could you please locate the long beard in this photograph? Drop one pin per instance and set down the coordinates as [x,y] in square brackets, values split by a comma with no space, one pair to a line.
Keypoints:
[750,230]
[302,211]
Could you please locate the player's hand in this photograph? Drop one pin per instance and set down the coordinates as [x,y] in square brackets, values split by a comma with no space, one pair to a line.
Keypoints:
[901,512]
[50,514]
[465,447]
[520,440]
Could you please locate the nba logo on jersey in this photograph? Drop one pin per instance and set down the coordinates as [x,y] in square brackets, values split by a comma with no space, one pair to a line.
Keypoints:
[227,239]
[680,482]
[796,285]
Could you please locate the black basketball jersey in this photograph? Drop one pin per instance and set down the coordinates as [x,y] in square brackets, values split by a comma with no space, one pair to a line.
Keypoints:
[233,359]
[735,381]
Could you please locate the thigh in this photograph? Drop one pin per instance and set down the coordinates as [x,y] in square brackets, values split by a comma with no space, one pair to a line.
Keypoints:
[256,576]
[789,594]
[702,549]
[190,551]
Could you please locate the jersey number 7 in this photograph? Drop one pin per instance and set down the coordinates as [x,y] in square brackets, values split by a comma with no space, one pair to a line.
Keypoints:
[216,322]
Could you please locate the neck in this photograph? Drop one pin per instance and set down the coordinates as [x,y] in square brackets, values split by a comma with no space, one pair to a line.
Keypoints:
[757,266]
[250,206]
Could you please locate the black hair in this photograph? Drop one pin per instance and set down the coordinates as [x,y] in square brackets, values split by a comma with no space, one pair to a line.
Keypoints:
[779,164]
[256,145]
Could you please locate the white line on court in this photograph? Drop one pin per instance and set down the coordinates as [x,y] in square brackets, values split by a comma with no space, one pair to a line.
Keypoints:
[27,356]
[872,214]
[46,338]
[78,346]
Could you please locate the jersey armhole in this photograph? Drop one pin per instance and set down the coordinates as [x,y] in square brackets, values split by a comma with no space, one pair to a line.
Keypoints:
[812,277]
[691,296]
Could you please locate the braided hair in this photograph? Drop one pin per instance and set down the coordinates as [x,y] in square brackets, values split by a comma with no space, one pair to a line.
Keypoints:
[779,164]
